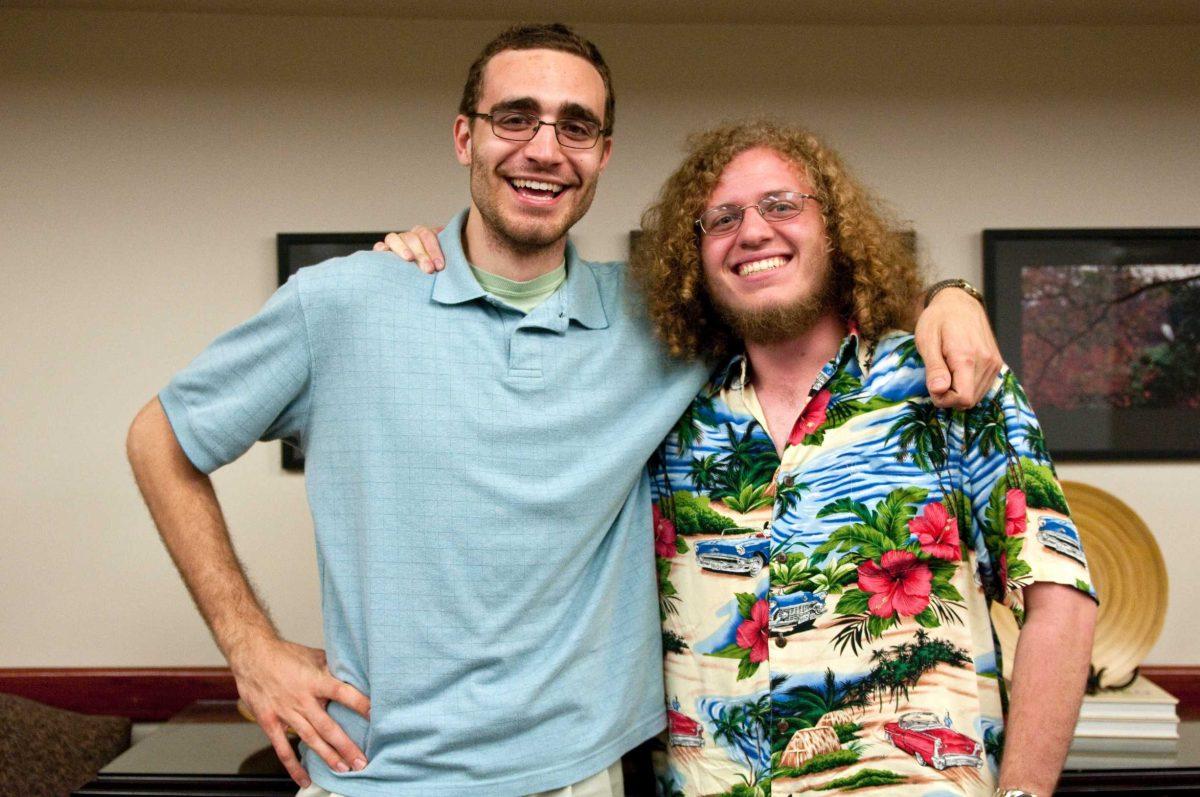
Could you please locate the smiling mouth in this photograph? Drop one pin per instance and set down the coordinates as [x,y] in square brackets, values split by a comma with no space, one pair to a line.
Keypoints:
[536,189]
[759,266]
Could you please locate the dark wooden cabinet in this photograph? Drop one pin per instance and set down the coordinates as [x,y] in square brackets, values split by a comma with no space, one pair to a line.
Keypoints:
[211,752]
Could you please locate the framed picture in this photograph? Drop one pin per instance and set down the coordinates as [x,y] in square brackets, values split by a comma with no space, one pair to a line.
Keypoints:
[1103,329]
[299,249]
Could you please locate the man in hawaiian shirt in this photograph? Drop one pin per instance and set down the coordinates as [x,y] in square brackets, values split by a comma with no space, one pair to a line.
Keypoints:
[829,541]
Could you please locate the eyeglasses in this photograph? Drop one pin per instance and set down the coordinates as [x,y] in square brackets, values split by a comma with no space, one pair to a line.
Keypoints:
[521,126]
[775,207]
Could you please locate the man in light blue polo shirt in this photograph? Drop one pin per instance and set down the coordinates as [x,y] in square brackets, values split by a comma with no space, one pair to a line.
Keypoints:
[474,469]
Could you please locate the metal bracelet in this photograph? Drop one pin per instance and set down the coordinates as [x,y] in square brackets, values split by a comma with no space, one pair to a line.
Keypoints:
[957,282]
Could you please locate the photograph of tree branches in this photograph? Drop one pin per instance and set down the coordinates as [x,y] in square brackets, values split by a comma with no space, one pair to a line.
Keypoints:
[1103,329]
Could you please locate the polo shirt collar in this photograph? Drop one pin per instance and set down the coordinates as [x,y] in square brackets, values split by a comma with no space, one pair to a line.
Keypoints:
[579,295]
[455,283]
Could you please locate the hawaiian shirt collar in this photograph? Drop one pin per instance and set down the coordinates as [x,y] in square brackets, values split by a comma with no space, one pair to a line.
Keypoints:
[735,374]
[579,295]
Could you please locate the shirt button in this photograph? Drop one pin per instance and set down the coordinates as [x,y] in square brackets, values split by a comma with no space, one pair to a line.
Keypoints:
[782,727]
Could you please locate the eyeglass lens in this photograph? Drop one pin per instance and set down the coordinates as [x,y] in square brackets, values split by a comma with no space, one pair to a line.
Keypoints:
[518,126]
[773,208]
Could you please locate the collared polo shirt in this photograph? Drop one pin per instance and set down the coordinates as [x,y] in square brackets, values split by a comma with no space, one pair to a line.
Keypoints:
[826,613]
[477,484]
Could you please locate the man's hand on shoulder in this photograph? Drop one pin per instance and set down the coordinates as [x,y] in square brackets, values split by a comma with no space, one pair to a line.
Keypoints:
[289,685]
[420,245]
[960,352]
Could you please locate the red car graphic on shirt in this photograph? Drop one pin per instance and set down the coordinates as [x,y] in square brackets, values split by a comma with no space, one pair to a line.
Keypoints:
[930,742]
[683,730]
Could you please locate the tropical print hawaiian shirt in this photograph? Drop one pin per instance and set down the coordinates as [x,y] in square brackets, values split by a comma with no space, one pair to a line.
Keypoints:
[826,614]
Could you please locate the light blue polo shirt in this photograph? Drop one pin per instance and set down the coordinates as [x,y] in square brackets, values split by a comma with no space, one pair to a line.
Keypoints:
[482,512]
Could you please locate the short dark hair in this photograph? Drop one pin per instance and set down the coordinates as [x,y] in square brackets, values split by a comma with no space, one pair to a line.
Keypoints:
[553,36]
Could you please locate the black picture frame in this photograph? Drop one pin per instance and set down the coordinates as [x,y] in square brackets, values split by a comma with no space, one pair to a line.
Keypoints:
[294,251]
[1104,318]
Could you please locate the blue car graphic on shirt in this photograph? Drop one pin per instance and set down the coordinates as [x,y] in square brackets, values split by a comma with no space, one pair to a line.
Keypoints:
[746,555]
[793,611]
[1059,534]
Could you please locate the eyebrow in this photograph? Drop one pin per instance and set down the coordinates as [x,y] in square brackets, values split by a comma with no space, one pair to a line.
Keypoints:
[568,110]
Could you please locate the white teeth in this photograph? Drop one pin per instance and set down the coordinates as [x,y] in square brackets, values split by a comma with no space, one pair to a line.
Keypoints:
[766,264]
[537,186]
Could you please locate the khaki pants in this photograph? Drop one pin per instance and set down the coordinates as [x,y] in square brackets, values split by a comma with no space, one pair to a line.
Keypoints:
[607,783]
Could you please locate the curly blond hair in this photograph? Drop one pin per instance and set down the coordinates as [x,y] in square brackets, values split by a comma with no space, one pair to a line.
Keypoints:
[875,274]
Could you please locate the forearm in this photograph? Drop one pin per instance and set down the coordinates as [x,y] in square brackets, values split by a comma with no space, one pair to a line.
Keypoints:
[185,509]
[1049,676]
[283,683]
[952,295]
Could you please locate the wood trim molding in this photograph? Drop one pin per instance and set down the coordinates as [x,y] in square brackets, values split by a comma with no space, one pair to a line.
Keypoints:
[1183,681]
[144,694]
[155,694]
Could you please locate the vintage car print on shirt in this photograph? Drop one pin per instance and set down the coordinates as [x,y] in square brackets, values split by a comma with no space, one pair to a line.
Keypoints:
[1059,534]
[746,555]
[932,743]
[794,612]
[683,731]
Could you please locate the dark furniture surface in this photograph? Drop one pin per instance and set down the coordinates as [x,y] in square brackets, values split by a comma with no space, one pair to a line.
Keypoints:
[212,752]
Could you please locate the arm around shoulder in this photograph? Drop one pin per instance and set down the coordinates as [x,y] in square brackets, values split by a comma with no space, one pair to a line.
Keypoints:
[958,347]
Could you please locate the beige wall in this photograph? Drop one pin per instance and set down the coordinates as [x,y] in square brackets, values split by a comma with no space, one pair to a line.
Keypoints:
[149,159]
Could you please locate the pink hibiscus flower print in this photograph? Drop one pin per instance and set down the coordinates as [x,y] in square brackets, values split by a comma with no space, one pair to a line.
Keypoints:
[752,633]
[937,531]
[899,583]
[1014,513]
[664,535]
[811,419]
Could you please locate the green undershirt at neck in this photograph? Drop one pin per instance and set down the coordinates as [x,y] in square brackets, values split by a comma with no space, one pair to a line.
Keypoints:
[522,295]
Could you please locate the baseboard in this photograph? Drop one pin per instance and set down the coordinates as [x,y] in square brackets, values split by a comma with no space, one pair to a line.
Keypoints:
[144,694]
[155,694]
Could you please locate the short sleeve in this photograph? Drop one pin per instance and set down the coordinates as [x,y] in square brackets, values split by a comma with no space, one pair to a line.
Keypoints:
[252,383]
[1018,506]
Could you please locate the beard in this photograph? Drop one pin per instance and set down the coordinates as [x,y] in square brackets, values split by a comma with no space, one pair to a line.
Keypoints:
[765,325]
[529,236]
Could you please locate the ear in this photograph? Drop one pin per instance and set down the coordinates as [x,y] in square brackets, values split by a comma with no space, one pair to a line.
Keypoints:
[606,152]
[462,139]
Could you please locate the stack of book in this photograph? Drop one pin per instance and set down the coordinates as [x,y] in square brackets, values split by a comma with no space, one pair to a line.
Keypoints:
[1135,725]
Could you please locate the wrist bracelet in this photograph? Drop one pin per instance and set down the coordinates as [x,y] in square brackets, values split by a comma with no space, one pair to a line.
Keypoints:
[959,283]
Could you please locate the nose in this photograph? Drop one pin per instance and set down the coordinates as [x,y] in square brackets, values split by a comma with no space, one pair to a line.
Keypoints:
[544,146]
[755,230]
